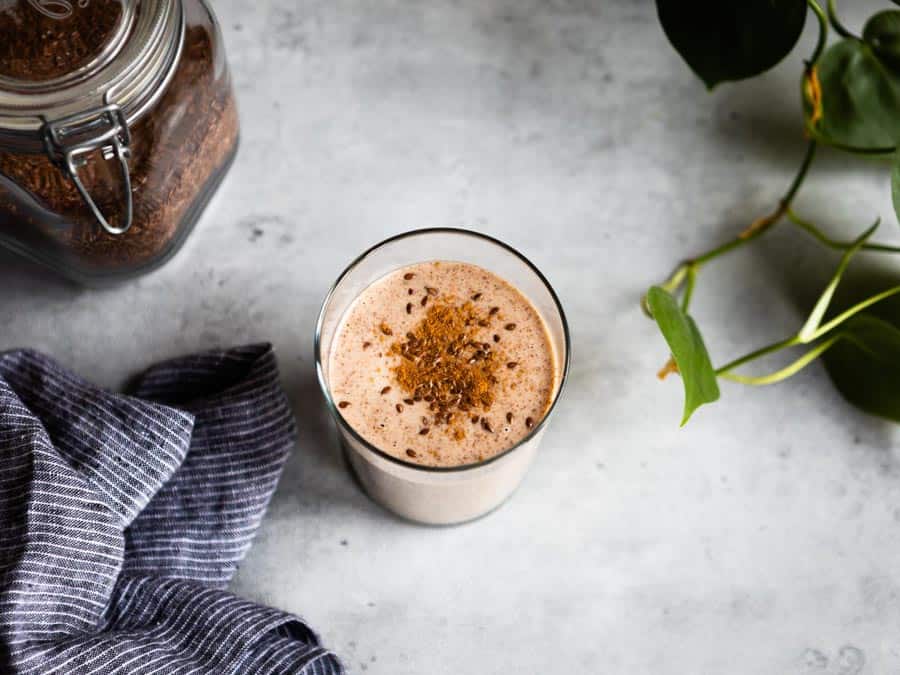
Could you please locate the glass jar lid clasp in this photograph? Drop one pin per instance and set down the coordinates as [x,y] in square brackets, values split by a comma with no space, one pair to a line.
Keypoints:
[70,139]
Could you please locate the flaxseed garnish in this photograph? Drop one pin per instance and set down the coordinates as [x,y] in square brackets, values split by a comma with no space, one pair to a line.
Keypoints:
[384,328]
[486,425]
[409,291]
[399,407]
[484,322]
[431,291]
[496,338]
[424,300]
[529,422]
[425,421]
[410,452]
[385,390]
[476,297]
[343,404]
[442,363]
[424,432]
[493,311]
[408,401]
[510,326]
[512,364]
[509,418]
[409,308]
[366,345]
[408,276]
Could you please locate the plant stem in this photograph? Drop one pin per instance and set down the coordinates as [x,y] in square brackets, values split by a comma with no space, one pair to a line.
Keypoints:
[856,309]
[823,34]
[836,23]
[689,289]
[825,240]
[783,344]
[787,371]
[691,266]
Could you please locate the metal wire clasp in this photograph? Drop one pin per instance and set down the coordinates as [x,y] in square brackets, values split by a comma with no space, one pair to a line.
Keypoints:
[69,140]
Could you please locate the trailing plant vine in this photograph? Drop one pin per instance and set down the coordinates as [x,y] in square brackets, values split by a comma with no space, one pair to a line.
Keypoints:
[851,102]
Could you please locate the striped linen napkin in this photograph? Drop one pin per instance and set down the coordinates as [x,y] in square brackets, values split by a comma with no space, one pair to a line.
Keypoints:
[122,519]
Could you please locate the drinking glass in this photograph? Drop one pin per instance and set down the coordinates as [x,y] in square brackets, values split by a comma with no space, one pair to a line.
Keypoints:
[439,495]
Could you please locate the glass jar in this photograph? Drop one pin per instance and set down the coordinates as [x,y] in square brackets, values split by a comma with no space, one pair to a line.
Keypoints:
[117,123]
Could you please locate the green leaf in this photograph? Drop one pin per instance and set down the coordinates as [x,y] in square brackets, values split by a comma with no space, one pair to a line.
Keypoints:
[688,350]
[865,365]
[859,94]
[882,33]
[725,41]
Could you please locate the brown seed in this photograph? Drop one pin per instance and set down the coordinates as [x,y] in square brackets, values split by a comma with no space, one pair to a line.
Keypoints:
[431,291]
[476,297]
[366,345]
[409,308]
[409,291]
[424,300]
[512,364]
[399,408]
[343,404]
[486,425]
[529,422]
[424,432]
[510,326]
[496,338]
[509,417]
[408,276]
[483,323]
[385,390]
[408,401]
[410,452]
[386,329]
[494,310]
[425,421]
[475,419]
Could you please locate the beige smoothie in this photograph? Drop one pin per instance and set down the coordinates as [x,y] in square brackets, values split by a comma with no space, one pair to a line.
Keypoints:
[442,364]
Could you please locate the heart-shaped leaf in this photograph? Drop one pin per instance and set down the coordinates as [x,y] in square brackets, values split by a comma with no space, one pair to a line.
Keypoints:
[865,365]
[882,33]
[688,350]
[723,41]
[858,104]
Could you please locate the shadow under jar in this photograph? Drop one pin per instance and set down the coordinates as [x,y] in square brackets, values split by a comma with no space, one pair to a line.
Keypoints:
[117,123]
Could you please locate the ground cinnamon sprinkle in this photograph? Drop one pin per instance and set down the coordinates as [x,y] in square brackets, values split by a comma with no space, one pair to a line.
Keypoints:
[443,364]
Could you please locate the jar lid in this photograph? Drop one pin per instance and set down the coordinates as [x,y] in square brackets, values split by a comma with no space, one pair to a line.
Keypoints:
[63,58]
[48,39]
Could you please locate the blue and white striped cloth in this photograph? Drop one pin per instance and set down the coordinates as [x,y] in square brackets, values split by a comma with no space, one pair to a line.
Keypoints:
[122,519]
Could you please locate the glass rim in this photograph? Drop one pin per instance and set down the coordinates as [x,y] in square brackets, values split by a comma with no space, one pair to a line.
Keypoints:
[335,411]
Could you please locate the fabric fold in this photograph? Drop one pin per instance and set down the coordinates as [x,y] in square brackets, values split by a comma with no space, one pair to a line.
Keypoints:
[123,518]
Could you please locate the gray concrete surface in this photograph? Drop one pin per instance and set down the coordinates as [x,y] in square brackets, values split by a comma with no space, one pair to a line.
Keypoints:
[762,538]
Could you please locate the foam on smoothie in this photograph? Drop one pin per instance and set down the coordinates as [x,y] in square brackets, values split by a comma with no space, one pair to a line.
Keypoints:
[506,341]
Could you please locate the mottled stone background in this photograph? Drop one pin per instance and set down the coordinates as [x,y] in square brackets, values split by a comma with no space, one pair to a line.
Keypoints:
[763,538]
